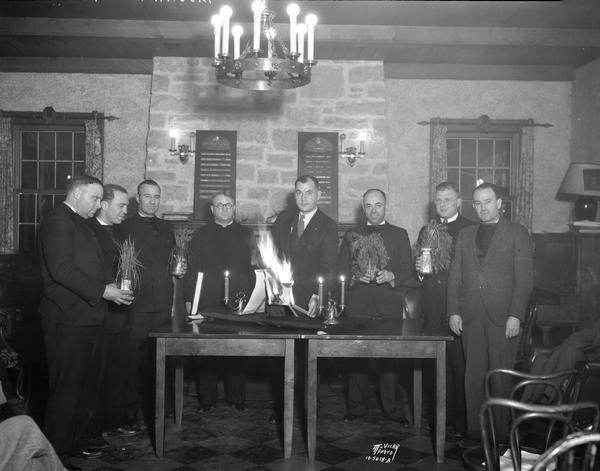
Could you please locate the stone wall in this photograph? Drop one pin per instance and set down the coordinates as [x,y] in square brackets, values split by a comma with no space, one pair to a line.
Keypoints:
[343,97]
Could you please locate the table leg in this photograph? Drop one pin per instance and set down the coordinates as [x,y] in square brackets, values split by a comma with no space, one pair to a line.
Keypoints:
[311,399]
[417,392]
[159,417]
[440,401]
[288,398]
[178,394]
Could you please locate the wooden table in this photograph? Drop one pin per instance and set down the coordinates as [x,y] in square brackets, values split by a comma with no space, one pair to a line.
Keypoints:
[381,339]
[218,338]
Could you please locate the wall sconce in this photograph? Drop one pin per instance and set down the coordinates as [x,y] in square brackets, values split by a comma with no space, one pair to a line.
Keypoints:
[184,151]
[351,153]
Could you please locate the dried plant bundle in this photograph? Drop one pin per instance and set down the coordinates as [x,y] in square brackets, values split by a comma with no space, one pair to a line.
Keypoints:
[368,254]
[435,236]
[129,264]
[183,236]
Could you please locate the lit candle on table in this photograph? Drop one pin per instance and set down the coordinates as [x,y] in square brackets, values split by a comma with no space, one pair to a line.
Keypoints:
[320,294]
[257,9]
[226,286]
[226,13]
[342,291]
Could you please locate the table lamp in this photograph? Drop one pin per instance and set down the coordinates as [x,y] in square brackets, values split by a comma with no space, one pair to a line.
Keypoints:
[583,180]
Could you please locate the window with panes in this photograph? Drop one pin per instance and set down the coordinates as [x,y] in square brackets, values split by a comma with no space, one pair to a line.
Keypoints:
[47,158]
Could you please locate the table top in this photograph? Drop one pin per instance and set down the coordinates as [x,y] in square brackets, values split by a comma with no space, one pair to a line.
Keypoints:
[251,326]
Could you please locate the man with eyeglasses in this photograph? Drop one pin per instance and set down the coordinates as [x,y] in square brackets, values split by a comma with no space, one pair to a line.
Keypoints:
[220,246]
[435,286]
[490,281]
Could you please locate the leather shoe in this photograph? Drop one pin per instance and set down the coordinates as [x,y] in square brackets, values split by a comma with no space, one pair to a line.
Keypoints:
[126,431]
[89,453]
[96,443]
[204,408]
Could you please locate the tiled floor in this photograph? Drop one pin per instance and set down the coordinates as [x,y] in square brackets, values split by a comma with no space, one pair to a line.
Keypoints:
[226,439]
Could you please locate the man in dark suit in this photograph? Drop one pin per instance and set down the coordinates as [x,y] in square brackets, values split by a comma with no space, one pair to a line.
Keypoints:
[151,308]
[73,309]
[308,239]
[114,339]
[435,286]
[222,245]
[376,258]
[489,285]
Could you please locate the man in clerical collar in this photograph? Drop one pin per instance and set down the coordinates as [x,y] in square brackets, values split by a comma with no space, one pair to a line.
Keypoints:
[376,258]
[490,281]
[435,286]
[154,239]
[221,246]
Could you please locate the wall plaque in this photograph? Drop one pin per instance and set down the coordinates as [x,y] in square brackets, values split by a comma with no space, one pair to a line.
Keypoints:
[318,156]
[216,153]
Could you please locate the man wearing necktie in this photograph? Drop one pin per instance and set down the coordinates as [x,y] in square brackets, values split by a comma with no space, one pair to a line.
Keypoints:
[375,292]
[490,281]
[151,308]
[435,287]
[114,339]
[308,239]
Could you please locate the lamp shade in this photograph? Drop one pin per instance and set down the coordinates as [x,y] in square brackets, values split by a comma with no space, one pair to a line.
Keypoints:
[581,179]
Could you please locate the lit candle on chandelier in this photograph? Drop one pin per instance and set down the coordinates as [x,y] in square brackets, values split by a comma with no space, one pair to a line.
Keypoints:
[320,293]
[217,22]
[226,286]
[226,13]
[311,21]
[236,32]
[300,32]
[292,11]
[257,9]
[342,290]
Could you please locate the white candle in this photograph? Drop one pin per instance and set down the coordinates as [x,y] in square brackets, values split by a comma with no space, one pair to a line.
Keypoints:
[292,11]
[311,21]
[362,137]
[236,32]
[173,136]
[226,286]
[192,142]
[342,291]
[300,32]
[257,9]
[217,21]
[225,13]
[320,293]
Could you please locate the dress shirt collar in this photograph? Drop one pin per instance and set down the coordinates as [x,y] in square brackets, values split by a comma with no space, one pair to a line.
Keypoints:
[380,224]
[71,207]
[307,216]
[451,219]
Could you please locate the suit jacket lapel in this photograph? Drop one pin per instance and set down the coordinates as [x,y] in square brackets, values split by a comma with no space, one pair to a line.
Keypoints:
[497,238]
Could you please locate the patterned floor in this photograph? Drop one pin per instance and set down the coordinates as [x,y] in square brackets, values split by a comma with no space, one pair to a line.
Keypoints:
[227,439]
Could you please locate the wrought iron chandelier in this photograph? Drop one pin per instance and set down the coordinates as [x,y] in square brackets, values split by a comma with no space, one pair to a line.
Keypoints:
[265,63]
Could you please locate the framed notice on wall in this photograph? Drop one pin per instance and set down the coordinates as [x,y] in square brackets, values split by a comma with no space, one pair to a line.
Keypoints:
[318,156]
[216,155]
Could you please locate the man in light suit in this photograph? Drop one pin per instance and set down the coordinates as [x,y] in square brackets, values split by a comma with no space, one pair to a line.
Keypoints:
[308,239]
[489,285]
[73,309]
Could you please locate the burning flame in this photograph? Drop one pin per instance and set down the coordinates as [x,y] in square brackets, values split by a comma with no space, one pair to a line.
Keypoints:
[282,270]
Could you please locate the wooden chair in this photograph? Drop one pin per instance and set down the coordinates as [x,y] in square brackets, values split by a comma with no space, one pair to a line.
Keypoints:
[577,451]
[526,343]
[557,419]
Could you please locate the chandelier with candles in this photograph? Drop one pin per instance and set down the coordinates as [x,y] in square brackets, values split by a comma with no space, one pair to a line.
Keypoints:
[265,63]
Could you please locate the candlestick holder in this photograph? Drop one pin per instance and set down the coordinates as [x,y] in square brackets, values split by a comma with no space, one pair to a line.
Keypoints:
[237,305]
[331,314]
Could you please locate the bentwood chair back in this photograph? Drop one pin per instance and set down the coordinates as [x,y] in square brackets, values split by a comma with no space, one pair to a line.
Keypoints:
[556,419]
[575,452]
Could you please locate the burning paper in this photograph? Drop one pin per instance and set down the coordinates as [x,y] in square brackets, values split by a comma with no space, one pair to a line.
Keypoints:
[278,273]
